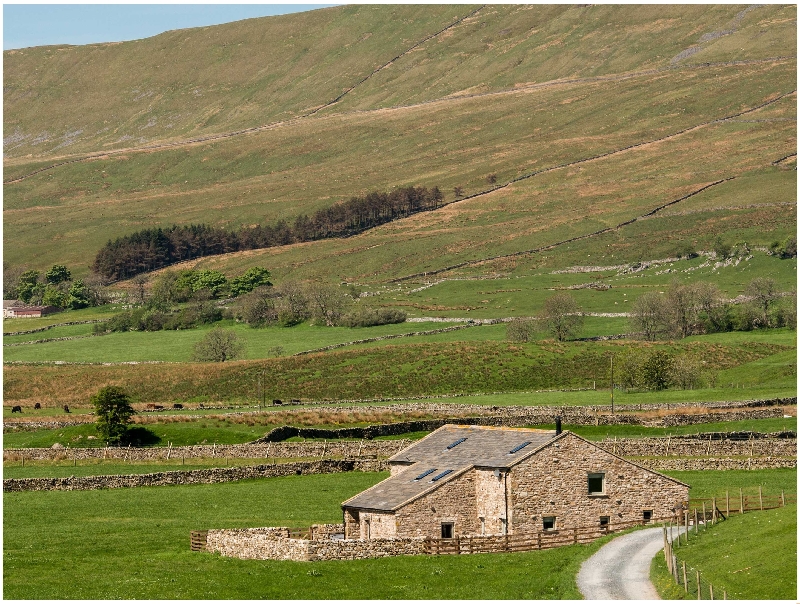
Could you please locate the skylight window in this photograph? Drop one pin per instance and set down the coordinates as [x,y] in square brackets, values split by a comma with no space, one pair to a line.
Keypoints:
[440,475]
[455,444]
[520,447]
[425,473]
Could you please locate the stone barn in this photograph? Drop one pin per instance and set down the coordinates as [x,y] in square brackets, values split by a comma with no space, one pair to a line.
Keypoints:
[476,480]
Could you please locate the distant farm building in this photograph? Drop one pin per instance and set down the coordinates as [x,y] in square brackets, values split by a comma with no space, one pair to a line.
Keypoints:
[470,481]
[20,310]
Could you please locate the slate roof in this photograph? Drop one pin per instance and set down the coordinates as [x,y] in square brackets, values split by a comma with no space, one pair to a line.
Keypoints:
[481,446]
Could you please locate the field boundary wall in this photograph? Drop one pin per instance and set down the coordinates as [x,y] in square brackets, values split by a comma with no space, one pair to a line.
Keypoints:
[186,477]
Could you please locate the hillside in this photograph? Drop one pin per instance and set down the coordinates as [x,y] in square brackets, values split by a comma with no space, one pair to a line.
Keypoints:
[591,118]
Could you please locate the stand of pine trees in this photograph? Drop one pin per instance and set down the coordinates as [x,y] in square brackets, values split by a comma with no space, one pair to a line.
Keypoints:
[151,249]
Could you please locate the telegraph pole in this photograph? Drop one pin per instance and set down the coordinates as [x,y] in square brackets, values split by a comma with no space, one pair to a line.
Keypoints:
[612,384]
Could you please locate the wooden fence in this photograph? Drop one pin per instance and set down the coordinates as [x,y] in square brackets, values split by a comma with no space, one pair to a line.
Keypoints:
[701,514]
[524,542]
[738,503]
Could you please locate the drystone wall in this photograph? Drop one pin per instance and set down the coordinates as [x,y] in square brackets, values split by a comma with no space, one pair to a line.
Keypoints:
[205,476]
[267,451]
[750,444]
[717,463]
[694,447]
[516,417]
[273,543]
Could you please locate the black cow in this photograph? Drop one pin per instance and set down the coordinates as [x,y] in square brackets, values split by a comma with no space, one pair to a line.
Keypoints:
[277,401]
[37,406]
[16,409]
[295,400]
[177,406]
[66,408]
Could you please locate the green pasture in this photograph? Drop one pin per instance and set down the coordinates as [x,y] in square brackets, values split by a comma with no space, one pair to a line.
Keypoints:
[750,557]
[134,544]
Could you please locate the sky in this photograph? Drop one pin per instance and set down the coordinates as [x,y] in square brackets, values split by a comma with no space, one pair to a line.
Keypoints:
[29,24]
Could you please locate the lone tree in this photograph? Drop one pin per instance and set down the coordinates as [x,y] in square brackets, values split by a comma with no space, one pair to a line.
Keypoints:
[562,316]
[113,410]
[219,345]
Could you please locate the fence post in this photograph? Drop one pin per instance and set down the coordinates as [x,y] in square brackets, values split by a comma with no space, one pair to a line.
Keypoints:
[727,503]
[783,499]
[711,590]
[741,501]
[695,521]
[713,510]
[704,515]
[724,595]
[685,580]
[760,499]
[666,551]
[697,576]
[686,525]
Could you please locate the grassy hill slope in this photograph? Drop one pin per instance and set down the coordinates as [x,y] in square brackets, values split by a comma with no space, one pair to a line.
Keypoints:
[486,96]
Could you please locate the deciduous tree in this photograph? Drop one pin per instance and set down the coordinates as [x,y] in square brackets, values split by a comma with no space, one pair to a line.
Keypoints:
[562,316]
[219,345]
[113,410]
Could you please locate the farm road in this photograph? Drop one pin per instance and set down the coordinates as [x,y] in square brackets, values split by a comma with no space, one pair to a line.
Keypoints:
[620,570]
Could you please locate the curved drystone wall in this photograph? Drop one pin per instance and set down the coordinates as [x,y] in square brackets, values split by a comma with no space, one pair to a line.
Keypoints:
[578,416]
[205,476]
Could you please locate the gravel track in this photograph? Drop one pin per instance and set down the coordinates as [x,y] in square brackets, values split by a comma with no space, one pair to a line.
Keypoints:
[620,570]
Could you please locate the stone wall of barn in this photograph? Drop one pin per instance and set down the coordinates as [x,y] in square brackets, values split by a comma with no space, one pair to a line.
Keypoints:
[376,525]
[554,483]
[490,493]
[453,501]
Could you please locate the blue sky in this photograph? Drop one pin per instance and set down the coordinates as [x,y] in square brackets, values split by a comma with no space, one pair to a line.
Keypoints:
[44,24]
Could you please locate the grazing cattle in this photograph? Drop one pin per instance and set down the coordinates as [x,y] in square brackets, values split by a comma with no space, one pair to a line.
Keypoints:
[37,406]
[295,400]
[202,406]
[66,408]
[277,401]
[150,406]
[177,406]
[158,407]
[16,409]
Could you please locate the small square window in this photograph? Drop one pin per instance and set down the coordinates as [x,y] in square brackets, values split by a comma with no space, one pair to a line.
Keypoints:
[647,515]
[597,483]
[447,530]
[604,521]
[549,523]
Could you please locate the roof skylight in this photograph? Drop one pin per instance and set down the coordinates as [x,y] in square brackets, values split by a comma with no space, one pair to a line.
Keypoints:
[455,444]
[519,447]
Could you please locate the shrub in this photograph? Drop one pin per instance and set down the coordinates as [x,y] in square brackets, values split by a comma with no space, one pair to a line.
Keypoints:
[521,330]
[368,317]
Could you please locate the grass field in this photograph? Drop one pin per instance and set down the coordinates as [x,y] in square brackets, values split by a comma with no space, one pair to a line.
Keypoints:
[751,557]
[134,544]
[429,365]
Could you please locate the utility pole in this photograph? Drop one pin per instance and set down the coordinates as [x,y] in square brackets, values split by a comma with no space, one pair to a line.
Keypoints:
[612,384]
